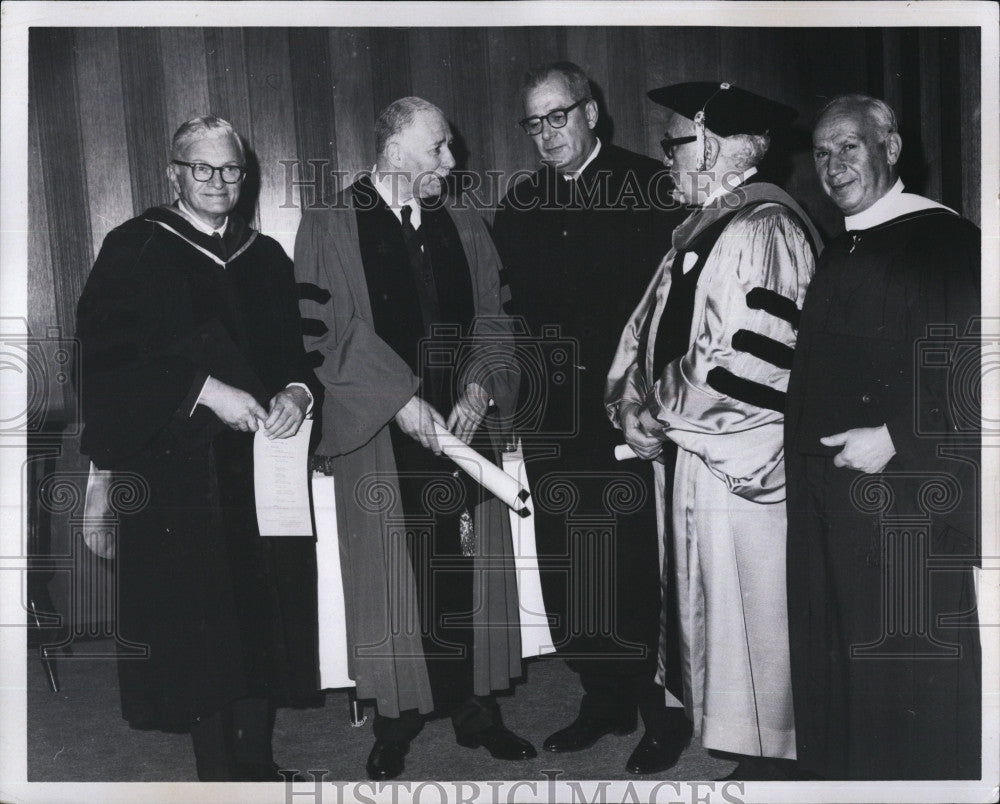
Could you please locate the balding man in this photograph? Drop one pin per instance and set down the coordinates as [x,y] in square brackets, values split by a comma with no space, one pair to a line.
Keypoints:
[882,448]
[191,343]
[703,364]
[395,281]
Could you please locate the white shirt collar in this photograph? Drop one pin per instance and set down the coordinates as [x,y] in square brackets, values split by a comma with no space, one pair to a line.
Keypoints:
[593,155]
[893,204]
[728,188]
[198,223]
[385,192]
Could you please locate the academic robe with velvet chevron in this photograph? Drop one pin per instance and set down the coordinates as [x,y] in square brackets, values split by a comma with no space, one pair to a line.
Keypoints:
[711,373]
[224,613]
[366,382]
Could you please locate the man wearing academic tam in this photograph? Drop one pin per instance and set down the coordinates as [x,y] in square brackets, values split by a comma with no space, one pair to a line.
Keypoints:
[882,444]
[703,362]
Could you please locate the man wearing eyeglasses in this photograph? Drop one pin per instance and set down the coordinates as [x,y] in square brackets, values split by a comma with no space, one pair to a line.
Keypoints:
[579,240]
[191,343]
[703,364]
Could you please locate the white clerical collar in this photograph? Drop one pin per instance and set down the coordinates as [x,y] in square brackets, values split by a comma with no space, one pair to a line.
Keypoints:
[893,204]
[570,176]
[729,186]
[385,192]
[198,223]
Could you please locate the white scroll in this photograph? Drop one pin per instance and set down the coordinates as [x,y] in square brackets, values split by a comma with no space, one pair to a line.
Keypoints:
[487,474]
[536,638]
[329,588]
[623,452]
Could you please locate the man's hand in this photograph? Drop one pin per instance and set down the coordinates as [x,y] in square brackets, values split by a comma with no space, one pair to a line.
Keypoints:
[235,408]
[287,410]
[645,444]
[866,449]
[469,412]
[416,418]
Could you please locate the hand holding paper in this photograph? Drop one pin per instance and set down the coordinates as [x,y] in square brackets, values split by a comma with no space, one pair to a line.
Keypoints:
[287,410]
[643,443]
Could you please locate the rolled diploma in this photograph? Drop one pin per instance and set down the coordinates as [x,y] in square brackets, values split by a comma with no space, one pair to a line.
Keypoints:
[623,452]
[490,476]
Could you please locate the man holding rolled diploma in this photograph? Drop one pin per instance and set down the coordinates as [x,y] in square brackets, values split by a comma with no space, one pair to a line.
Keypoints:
[401,300]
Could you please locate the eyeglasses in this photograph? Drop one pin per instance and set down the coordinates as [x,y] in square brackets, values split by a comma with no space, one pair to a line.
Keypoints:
[557,119]
[202,172]
[668,144]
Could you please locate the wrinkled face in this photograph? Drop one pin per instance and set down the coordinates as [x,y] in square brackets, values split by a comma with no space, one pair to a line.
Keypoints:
[854,165]
[683,164]
[566,148]
[210,200]
[425,153]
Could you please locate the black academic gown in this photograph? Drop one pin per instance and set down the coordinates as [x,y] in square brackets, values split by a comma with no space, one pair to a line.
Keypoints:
[577,256]
[884,688]
[224,613]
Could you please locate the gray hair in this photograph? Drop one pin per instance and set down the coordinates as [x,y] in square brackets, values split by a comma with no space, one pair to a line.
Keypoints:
[207,126]
[878,111]
[747,150]
[397,116]
[576,79]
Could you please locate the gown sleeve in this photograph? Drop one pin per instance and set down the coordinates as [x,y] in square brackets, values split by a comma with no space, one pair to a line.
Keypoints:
[365,382]
[491,360]
[724,399]
[942,288]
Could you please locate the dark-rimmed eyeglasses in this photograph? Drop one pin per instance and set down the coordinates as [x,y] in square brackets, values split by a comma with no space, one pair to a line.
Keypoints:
[557,119]
[202,172]
[669,143]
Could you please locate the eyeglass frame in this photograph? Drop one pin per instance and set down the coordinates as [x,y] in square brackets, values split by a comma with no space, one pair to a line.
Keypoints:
[544,118]
[214,169]
[669,143]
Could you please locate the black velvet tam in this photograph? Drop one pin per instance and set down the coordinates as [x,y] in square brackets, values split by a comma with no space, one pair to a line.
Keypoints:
[729,109]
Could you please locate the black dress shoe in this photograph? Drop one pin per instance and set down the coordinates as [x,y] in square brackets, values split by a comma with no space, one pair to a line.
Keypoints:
[655,754]
[500,741]
[584,732]
[386,760]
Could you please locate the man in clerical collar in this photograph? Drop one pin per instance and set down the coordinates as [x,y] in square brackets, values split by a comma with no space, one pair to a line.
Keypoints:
[876,419]
[579,240]
[702,364]
[191,344]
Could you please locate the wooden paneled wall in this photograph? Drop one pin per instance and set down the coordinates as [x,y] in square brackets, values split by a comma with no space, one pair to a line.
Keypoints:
[104,103]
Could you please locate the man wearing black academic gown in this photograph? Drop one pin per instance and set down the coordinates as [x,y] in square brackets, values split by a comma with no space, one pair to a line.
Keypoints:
[882,457]
[191,342]
[579,240]
[402,315]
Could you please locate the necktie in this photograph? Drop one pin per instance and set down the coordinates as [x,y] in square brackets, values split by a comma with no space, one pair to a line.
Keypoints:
[220,246]
[422,273]
[414,240]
